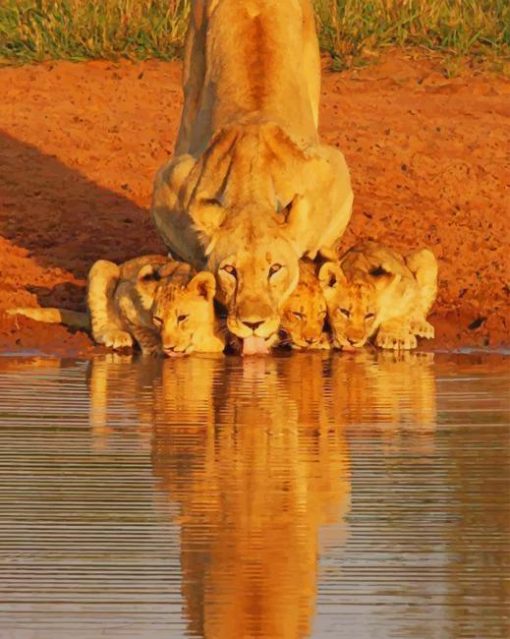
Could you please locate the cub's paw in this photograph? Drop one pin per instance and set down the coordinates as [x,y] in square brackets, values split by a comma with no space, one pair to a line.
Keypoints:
[396,341]
[324,343]
[115,338]
[422,328]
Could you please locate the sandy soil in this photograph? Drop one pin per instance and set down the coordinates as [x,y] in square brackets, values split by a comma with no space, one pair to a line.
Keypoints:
[80,143]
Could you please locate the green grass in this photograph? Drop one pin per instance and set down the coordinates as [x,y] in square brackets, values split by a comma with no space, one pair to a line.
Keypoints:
[350,30]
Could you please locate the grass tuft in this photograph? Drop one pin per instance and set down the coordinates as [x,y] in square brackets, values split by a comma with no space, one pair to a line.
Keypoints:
[352,31]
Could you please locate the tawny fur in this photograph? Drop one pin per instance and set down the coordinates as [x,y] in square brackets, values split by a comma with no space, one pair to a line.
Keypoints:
[162,305]
[375,291]
[251,188]
[304,314]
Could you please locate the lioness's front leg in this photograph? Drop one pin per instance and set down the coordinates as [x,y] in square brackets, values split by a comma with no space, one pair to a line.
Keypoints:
[105,323]
[172,189]
[332,198]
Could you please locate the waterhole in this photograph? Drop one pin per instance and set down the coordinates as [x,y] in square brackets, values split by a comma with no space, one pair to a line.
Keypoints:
[326,496]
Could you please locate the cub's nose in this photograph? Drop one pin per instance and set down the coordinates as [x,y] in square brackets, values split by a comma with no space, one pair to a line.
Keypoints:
[253,325]
[310,340]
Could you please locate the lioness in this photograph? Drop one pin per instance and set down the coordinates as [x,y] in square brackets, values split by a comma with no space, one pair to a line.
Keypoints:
[376,290]
[251,189]
[162,305]
[304,314]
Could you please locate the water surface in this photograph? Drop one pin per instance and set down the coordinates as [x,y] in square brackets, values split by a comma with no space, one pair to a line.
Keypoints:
[357,496]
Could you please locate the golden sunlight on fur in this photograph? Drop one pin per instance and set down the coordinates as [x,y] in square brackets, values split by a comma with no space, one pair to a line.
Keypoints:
[251,189]
[376,291]
[304,314]
[162,305]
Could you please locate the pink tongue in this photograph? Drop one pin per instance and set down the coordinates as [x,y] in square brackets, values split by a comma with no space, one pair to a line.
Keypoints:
[254,345]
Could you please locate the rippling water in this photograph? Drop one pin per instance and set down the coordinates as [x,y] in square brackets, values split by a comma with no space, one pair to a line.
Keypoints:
[357,496]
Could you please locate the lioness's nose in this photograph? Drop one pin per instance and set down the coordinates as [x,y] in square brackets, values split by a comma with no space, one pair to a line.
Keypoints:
[310,340]
[253,325]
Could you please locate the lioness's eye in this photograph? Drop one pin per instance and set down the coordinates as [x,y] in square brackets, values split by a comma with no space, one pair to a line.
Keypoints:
[298,315]
[182,318]
[231,270]
[369,315]
[274,268]
[345,312]
[157,321]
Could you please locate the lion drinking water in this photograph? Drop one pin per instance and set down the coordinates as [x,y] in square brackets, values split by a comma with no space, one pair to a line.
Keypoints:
[376,291]
[304,314]
[162,305]
[251,189]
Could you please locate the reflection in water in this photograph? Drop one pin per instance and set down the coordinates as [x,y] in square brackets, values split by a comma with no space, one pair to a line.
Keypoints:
[312,495]
[257,466]
[258,462]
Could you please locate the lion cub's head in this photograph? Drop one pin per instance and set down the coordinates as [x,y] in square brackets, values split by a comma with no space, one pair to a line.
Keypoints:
[354,304]
[183,311]
[304,314]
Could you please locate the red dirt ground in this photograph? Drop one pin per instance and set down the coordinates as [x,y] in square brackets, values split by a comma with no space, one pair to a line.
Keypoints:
[80,143]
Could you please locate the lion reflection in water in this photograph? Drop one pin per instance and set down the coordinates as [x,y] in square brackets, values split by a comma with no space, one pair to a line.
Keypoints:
[259,465]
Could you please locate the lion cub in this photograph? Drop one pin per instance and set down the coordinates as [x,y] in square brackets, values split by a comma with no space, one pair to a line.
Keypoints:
[376,291]
[304,314]
[162,305]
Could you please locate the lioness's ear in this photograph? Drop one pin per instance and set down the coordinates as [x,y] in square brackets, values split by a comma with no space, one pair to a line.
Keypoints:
[208,215]
[204,284]
[331,276]
[296,215]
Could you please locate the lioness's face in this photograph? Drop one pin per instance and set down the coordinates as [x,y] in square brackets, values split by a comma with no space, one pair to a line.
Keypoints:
[255,283]
[352,307]
[182,314]
[254,251]
[303,317]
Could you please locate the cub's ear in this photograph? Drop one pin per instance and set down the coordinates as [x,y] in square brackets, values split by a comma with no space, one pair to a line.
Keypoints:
[204,284]
[296,216]
[386,281]
[208,214]
[331,276]
[149,273]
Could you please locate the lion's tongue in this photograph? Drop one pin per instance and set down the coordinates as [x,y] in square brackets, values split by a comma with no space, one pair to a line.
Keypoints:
[254,345]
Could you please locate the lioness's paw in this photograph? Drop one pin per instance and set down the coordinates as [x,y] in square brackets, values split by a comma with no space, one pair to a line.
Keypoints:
[396,341]
[115,339]
[422,328]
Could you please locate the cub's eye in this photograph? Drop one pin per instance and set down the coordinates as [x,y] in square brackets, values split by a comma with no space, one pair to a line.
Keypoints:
[369,315]
[298,315]
[344,312]
[231,270]
[182,318]
[157,321]
[274,268]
